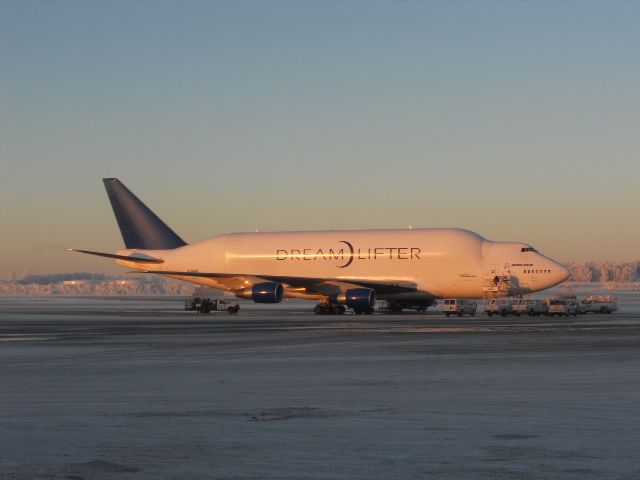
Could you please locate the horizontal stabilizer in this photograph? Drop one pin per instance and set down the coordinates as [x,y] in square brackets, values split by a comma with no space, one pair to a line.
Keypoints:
[136,257]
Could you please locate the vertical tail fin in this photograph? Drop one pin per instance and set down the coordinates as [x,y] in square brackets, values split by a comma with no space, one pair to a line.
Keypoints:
[140,227]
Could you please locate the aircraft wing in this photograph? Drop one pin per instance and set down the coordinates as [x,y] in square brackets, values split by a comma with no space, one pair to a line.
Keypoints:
[311,284]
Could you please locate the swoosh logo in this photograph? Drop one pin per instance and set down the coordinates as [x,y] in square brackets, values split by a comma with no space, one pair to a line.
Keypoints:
[351,252]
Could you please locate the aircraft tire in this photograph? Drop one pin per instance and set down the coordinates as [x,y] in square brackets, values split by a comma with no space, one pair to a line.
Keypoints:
[338,309]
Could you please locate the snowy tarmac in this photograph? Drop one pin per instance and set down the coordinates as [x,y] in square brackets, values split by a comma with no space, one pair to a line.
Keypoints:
[97,388]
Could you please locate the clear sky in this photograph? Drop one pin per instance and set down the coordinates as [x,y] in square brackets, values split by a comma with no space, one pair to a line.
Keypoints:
[518,120]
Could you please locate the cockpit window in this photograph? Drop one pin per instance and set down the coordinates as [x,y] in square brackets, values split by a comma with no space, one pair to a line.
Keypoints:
[528,249]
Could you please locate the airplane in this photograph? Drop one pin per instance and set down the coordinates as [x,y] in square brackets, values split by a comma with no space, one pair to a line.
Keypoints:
[409,268]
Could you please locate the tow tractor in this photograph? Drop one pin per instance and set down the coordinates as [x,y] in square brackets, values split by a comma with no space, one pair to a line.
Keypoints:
[207,305]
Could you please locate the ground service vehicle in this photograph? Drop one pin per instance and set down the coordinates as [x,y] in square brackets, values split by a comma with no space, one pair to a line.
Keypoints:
[529,306]
[499,306]
[599,304]
[459,307]
[560,307]
[348,268]
[575,300]
[207,305]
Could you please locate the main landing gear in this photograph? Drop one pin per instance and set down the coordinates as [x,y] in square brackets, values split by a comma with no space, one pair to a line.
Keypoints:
[336,309]
[329,309]
[359,311]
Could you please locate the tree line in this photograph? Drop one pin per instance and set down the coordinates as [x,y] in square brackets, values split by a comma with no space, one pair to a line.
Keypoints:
[620,272]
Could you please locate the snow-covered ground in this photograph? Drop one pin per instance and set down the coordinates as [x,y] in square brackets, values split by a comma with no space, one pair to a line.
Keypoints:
[134,388]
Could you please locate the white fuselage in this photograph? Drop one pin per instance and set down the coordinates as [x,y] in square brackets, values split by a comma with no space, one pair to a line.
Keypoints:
[441,262]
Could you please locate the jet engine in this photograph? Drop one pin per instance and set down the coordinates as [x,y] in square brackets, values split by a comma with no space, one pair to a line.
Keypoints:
[360,299]
[266,292]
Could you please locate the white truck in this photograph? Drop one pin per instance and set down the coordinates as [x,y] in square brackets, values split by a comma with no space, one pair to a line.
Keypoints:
[499,306]
[562,306]
[529,306]
[599,304]
[459,307]
[207,305]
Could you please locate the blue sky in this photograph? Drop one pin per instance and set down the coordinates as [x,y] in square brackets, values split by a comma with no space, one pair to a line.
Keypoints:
[518,120]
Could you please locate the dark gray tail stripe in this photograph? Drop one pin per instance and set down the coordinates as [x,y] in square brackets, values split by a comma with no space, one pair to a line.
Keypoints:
[140,227]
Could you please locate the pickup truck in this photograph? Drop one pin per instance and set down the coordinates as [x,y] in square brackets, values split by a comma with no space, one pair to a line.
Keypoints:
[529,307]
[562,307]
[599,304]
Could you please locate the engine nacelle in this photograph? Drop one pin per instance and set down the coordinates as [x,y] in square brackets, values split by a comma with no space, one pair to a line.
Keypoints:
[266,292]
[360,299]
